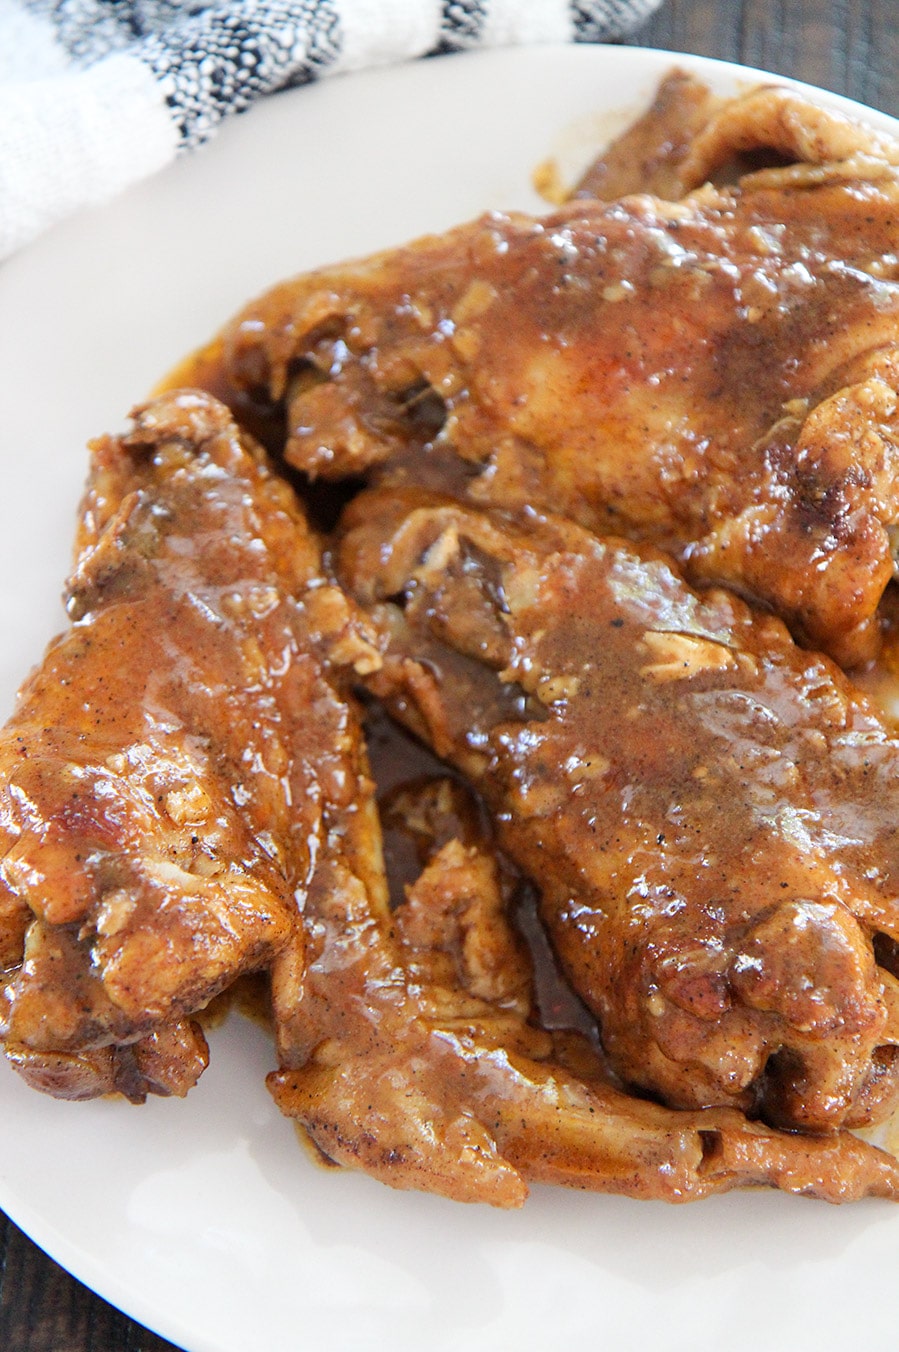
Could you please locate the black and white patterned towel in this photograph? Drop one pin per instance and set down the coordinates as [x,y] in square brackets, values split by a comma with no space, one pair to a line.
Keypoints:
[96,94]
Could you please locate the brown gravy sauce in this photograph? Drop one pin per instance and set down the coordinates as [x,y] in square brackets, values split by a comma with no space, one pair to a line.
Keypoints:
[402,764]
[399,762]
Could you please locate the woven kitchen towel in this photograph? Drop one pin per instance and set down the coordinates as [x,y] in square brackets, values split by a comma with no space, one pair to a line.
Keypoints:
[96,94]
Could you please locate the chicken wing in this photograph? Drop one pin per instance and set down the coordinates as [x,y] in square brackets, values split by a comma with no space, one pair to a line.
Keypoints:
[709,810]
[717,375]
[407,1050]
[166,778]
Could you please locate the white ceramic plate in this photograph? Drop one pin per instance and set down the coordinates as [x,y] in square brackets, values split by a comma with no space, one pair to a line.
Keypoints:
[205,1219]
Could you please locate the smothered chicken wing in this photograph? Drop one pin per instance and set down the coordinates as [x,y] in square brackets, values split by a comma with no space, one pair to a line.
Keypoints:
[408,1049]
[168,774]
[709,810]
[717,375]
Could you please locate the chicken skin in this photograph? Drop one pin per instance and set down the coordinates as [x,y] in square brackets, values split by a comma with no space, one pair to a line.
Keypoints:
[408,1049]
[716,375]
[690,136]
[710,811]
[167,774]
[627,919]
[186,797]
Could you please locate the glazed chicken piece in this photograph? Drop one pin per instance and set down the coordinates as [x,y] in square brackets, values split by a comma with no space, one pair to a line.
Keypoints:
[167,776]
[408,1050]
[709,810]
[718,375]
[185,797]
[689,136]
[649,154]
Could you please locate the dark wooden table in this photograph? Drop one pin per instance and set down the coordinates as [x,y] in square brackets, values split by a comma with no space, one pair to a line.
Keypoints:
[849,46]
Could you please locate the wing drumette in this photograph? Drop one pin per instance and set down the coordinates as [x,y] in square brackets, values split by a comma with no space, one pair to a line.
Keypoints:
[709,810]
[167,775]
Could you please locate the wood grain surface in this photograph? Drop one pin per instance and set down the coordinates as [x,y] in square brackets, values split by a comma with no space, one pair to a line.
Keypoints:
[848,46]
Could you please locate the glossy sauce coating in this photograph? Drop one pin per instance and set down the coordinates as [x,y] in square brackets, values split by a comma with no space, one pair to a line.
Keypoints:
[717,375]
[709,810]
[169,766]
